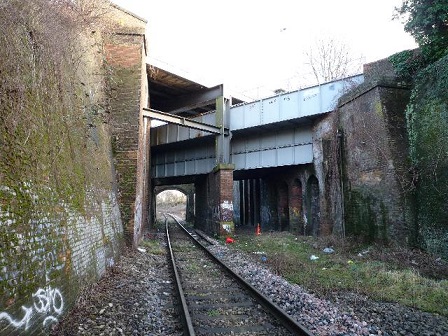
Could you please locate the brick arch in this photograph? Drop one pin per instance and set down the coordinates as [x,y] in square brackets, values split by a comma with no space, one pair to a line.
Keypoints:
[183,189]
[187,190]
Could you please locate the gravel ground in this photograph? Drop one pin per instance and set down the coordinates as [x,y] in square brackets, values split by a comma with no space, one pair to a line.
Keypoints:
[135,298]
[345,314]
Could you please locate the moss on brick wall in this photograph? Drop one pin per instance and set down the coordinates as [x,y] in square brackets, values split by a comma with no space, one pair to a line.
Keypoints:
[374,164]
[60,223]
[427,117]
[366,216]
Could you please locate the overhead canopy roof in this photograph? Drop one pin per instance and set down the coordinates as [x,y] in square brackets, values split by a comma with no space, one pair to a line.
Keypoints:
[175,94]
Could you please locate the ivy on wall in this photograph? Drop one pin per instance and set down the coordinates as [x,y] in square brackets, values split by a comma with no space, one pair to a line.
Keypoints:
[427,118]
[427,21]
[407,64]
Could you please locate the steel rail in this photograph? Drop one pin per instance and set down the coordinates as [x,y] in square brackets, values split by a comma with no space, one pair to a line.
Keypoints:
[186,318]
[287,321]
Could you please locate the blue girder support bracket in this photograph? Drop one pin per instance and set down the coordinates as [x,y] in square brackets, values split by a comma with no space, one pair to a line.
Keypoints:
[181,121]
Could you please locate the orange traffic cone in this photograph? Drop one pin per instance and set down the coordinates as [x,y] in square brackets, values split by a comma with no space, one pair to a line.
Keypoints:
[258,230]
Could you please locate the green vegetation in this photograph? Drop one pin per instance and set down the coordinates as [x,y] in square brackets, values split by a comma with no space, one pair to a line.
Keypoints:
[152,246]
[345,270]
[407,64]
[193,267]
[54,143]
[427,117]
[213,312]
[427,22]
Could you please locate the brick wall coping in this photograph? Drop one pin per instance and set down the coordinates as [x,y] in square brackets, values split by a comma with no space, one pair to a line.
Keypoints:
[386,82]
[130,13]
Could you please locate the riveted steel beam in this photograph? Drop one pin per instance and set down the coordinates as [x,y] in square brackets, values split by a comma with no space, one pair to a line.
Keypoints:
[177,120]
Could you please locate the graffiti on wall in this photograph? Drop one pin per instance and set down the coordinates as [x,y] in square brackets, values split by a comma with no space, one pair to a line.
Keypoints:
[226,210]
[47,302]
[48,259]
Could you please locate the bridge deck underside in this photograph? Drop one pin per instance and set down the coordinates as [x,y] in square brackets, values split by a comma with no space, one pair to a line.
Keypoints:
[281,147]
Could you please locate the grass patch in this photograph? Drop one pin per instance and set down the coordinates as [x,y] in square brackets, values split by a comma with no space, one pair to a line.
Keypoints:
[193,267]
[346,270]
[213,313]
[152,246]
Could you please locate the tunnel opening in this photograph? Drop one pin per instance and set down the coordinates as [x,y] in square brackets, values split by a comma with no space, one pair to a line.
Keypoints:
[171,201]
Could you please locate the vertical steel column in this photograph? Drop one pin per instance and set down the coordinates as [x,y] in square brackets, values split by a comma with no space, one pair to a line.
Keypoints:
[246,203]
[257,201]
[242,204]
[189,211]
[222,147]
[252,201]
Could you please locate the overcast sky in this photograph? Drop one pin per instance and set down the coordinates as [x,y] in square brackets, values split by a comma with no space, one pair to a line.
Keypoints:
[253,46]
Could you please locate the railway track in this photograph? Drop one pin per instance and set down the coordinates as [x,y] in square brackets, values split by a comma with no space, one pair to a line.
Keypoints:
[214,300]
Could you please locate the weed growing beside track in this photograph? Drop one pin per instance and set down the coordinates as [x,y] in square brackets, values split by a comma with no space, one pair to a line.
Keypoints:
[384,274]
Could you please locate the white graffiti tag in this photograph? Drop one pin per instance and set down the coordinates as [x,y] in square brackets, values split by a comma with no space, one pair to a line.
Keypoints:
[46,301]
[18,324]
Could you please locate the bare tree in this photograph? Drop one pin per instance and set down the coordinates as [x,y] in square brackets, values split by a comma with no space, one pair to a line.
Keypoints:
[331,59]
[171,197]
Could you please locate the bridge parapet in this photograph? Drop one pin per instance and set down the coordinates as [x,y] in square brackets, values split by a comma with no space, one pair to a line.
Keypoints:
[292,105]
